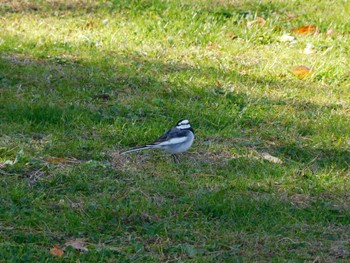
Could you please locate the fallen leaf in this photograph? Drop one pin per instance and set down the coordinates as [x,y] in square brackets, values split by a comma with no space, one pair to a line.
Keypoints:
[304,30]
[258,21]
[301,71]
[291,16]
[56,250]
[78,244]
[231,35]
[218,84]
[211,46]
[271,158]
[331,32]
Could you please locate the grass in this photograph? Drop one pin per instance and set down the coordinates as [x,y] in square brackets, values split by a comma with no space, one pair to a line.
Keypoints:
[267,178]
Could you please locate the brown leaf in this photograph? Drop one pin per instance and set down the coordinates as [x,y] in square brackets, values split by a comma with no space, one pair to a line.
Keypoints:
[258,21]
[78,244]
[218,84]
[304,30]
[331,32]
[56,250]
[291,16]
[301,71]
[212,46]
[231,35]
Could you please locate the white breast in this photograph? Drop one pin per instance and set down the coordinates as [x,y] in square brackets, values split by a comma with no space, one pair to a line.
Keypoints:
[182,146]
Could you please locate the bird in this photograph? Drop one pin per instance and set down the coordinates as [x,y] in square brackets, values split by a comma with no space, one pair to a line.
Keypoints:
[176,140]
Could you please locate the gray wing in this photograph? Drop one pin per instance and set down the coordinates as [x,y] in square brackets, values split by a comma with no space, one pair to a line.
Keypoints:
[172,133]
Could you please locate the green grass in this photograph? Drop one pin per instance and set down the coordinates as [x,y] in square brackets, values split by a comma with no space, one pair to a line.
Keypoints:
[82,80]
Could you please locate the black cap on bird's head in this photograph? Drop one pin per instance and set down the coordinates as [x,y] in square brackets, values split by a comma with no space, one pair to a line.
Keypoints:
[184,125]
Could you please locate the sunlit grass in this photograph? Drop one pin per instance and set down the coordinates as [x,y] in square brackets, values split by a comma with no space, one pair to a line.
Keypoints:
[267,177]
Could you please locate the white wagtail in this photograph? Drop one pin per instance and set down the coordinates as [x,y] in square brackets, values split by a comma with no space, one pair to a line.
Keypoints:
[177,140]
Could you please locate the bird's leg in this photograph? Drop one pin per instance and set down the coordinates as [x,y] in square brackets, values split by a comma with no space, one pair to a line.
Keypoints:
[176,158]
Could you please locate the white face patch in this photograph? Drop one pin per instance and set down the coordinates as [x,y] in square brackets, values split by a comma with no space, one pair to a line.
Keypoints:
[184,124]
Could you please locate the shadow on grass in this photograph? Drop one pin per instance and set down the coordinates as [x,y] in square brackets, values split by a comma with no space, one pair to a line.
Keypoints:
[220,9]
[47,95]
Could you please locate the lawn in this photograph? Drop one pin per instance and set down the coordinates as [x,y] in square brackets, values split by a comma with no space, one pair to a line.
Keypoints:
[267,178]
